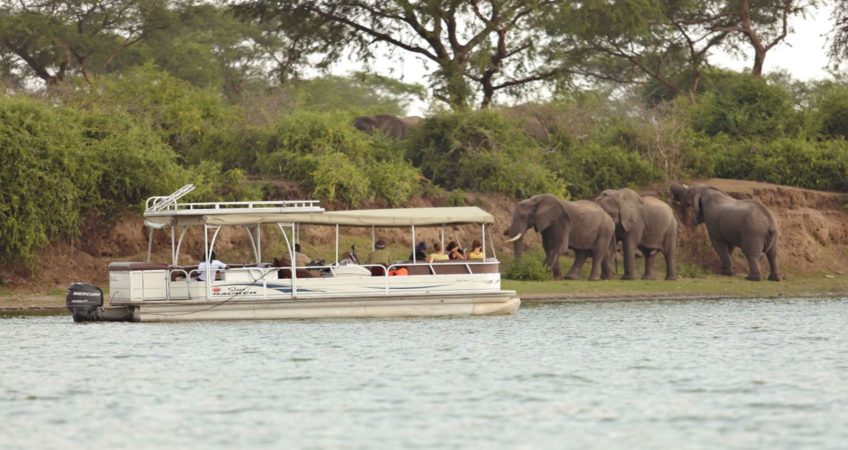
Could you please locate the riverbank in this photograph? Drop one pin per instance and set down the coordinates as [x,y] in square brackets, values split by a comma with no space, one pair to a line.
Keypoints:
[710,287]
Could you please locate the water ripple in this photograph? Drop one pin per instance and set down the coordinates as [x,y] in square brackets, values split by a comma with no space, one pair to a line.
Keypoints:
[713,374]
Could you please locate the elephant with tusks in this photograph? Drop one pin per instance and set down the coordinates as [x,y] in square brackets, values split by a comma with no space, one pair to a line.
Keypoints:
[732,223]
[581,226]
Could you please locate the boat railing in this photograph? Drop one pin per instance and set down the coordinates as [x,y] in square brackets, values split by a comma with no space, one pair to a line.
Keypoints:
[181,282]
[166,205]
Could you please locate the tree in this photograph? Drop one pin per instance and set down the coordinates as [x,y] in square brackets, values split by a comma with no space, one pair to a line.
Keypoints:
[634,41]
[49,39]
[762,24]
[473,43]
[839,36]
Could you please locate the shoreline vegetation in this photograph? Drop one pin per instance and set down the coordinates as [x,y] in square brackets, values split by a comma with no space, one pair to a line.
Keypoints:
[711,287]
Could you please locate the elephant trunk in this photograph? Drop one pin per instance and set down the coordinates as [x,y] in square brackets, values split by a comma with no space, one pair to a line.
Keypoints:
[517,247]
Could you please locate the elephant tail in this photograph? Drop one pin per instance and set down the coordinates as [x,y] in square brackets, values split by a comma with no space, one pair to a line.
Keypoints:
[771,239]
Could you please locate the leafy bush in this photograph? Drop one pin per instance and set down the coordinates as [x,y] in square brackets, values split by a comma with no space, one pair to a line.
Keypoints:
[336,177]
[212,183]
[529,267]
[58,165]
[182,114]
[740,106]
[396,182]
[481,151]
[830,109]
[335,161]
[591,168]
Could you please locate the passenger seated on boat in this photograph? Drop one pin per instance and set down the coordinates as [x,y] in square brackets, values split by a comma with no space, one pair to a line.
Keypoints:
[437,254]
[380,255]
[454,251]
[420,253]
[214,265]
[300,258]
[283,264]
[476,250]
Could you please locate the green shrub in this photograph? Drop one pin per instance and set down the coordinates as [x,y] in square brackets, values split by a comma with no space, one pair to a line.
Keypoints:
[589,169]
[131,162]
[335,161]
[481,151]
[336,177]
[830,109]
[396,182]
[182,114]
[43,178]
[213,183]
[58,165]
[529,267]
[740,106]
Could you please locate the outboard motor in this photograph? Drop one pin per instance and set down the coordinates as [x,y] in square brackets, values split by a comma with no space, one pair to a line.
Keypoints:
[84,301]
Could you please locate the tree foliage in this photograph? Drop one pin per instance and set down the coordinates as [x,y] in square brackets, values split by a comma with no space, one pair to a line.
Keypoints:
[478,47]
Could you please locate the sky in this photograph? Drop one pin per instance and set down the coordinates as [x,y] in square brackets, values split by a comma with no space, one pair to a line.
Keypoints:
[803,54]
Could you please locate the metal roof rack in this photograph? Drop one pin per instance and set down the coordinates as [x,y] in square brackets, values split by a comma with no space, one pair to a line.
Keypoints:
[169,206]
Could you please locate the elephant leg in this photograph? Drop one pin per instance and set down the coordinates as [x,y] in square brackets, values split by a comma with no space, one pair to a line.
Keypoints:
[606,264]
[669,248]
[552,261]
[579,258]
[649,264]
[723,251]
[774,272]
[629,247]
[598,255]
[754,273]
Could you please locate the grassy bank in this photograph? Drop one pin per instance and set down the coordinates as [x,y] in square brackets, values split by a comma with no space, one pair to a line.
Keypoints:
[709,286]
[12,302]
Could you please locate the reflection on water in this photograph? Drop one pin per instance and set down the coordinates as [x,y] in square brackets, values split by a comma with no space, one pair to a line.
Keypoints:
[701,374]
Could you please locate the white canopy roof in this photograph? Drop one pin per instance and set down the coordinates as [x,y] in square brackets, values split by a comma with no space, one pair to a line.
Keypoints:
[400,217]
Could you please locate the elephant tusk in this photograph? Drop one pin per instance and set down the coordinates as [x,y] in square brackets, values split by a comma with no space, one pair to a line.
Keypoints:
[515,238]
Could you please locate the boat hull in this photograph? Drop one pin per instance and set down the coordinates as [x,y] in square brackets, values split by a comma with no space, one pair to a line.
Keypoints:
[471,304]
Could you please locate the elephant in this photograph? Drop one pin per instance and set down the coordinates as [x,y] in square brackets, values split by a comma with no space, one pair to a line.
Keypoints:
[646,223]
[390,125]
[580,225]
[732,223]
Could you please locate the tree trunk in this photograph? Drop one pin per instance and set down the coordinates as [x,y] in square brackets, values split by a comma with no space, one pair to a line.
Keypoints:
[759,59]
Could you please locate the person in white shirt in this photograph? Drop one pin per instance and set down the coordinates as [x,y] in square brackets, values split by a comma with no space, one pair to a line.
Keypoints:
[214,265]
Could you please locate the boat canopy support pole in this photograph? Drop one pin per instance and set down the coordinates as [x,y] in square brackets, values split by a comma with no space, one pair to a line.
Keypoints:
[180,243]
[293,269]
[413,245]
[258,243]
[252,242]
[494,253]
[290,247]
[373,242]
[483,231]
[337,244]
[442,237]
[206,247]
[214,237]
[173,248]
[149,243]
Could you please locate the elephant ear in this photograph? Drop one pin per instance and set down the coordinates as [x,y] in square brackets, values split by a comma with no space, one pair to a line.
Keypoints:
[629,213]
[548,210]
[699,208]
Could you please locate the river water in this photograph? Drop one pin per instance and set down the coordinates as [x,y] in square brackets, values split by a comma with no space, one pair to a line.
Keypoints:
[696,374]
